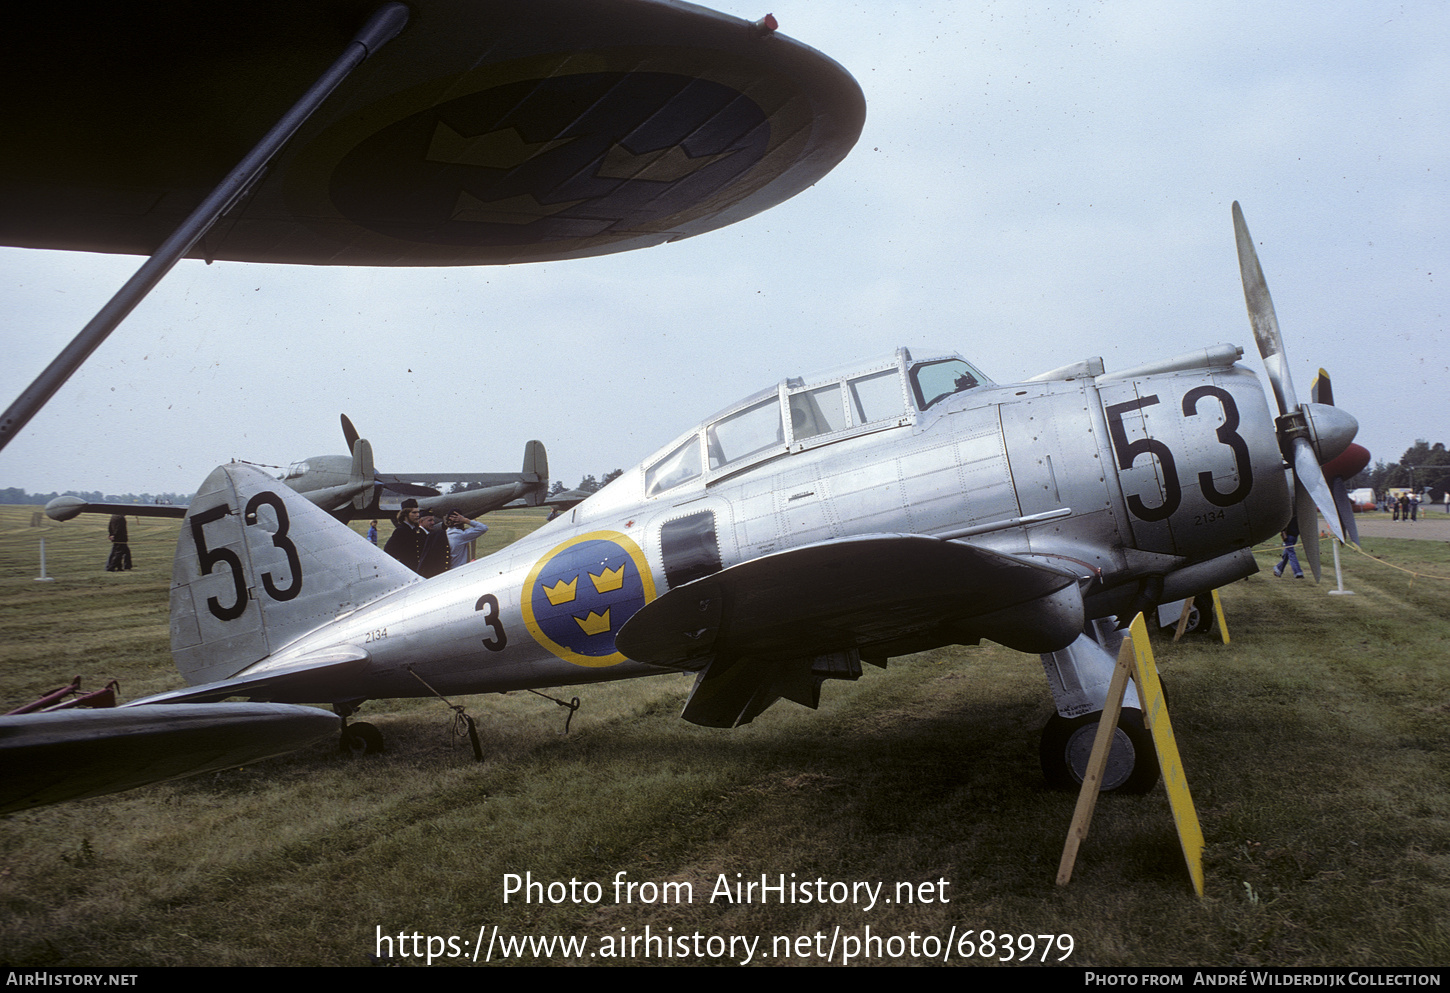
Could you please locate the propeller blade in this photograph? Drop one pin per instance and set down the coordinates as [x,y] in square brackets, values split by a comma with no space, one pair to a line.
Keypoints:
[1308,478]
[1308,519]
[350,433]
[1261,316]
[1346,510]
[1321,391]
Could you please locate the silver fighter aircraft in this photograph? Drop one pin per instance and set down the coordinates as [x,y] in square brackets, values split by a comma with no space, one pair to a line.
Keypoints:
[824,522]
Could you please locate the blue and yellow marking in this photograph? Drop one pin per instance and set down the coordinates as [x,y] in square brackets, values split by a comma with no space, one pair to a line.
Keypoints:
[579,595]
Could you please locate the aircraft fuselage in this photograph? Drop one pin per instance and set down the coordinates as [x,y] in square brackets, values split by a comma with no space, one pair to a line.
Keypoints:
[1123,481]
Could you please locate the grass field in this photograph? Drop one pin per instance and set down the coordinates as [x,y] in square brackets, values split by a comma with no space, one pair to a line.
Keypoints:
[1315,745]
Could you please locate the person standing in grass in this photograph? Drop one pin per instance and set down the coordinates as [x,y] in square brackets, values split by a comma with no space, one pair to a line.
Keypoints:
[120,558]
[1291,538]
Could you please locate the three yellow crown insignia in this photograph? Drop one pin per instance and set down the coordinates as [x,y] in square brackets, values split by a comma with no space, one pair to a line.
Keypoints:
[612,580]
[594,623]
[561,592]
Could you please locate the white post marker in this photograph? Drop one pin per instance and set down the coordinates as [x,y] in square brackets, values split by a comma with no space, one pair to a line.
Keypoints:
[1339,575]
[43,578]
[1135,658]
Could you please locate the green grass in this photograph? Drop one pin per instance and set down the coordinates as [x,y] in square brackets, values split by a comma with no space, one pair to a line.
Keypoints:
[1315,746]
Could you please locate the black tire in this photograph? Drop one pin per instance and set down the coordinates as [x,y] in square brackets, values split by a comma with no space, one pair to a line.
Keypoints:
[1067,744]
[362,738]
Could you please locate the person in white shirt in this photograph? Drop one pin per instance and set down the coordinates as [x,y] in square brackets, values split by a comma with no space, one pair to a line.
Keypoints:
[461,531]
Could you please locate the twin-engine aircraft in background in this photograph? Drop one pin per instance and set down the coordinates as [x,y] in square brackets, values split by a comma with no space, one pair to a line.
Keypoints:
[350,489]
[824,522]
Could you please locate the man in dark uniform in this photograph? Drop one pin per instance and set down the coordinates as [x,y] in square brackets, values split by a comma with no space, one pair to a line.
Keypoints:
[406,543]
[436,554]
[120,558]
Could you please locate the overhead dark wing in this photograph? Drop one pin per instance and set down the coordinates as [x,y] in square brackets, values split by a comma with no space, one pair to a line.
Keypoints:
[484,133]
[63,508]
[768,628]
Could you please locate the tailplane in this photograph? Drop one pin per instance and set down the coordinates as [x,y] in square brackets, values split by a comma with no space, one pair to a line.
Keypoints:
[257,566]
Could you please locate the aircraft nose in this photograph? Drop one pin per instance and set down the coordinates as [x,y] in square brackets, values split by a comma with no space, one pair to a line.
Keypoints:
[1331,429]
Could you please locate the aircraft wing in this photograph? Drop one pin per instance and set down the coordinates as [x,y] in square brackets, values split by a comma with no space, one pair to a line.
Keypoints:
[63,508]
[758,629]
[484,133]
[70,754]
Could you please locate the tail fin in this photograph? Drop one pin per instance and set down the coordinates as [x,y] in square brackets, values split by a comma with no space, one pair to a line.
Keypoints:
[257,566]
[536,464]
[363,472]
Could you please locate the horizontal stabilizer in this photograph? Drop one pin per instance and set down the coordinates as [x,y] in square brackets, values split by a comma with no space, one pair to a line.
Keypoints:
[314,678]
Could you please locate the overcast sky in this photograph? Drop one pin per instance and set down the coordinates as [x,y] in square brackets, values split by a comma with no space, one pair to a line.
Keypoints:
[1035,184]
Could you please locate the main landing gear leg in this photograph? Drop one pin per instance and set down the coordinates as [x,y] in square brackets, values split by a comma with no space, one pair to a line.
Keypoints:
[1078,676]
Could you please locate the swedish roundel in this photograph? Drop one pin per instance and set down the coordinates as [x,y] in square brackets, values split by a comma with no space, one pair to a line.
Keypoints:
[579,595]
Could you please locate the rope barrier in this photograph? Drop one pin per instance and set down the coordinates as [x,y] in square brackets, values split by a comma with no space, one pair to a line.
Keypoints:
[1414,574]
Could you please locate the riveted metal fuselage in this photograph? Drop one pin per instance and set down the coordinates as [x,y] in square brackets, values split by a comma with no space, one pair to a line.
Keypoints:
[1114,479]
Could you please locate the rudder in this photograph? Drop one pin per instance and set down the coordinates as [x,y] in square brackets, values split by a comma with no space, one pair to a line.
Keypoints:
[536,464]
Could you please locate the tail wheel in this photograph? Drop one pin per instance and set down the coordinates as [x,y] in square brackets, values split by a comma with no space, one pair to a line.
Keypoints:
[362,738]
[1067,744]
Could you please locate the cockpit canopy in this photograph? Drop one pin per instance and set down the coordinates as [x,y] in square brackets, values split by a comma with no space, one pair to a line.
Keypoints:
[802,413]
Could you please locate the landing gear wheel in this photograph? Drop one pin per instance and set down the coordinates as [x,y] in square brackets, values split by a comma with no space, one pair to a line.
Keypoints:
[1200,621]
[1067,743]
[362,738]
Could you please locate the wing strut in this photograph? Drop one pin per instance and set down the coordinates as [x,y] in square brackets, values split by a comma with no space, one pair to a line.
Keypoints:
[381,28]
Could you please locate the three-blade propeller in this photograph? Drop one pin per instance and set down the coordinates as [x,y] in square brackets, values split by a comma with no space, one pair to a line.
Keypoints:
[1309,434]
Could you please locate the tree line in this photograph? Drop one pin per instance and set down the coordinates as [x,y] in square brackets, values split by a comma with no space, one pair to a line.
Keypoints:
[14,494]
[1423,466]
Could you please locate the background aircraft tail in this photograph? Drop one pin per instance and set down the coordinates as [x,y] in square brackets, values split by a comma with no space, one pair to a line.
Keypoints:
[536,463]
[363,473]
[257,566]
